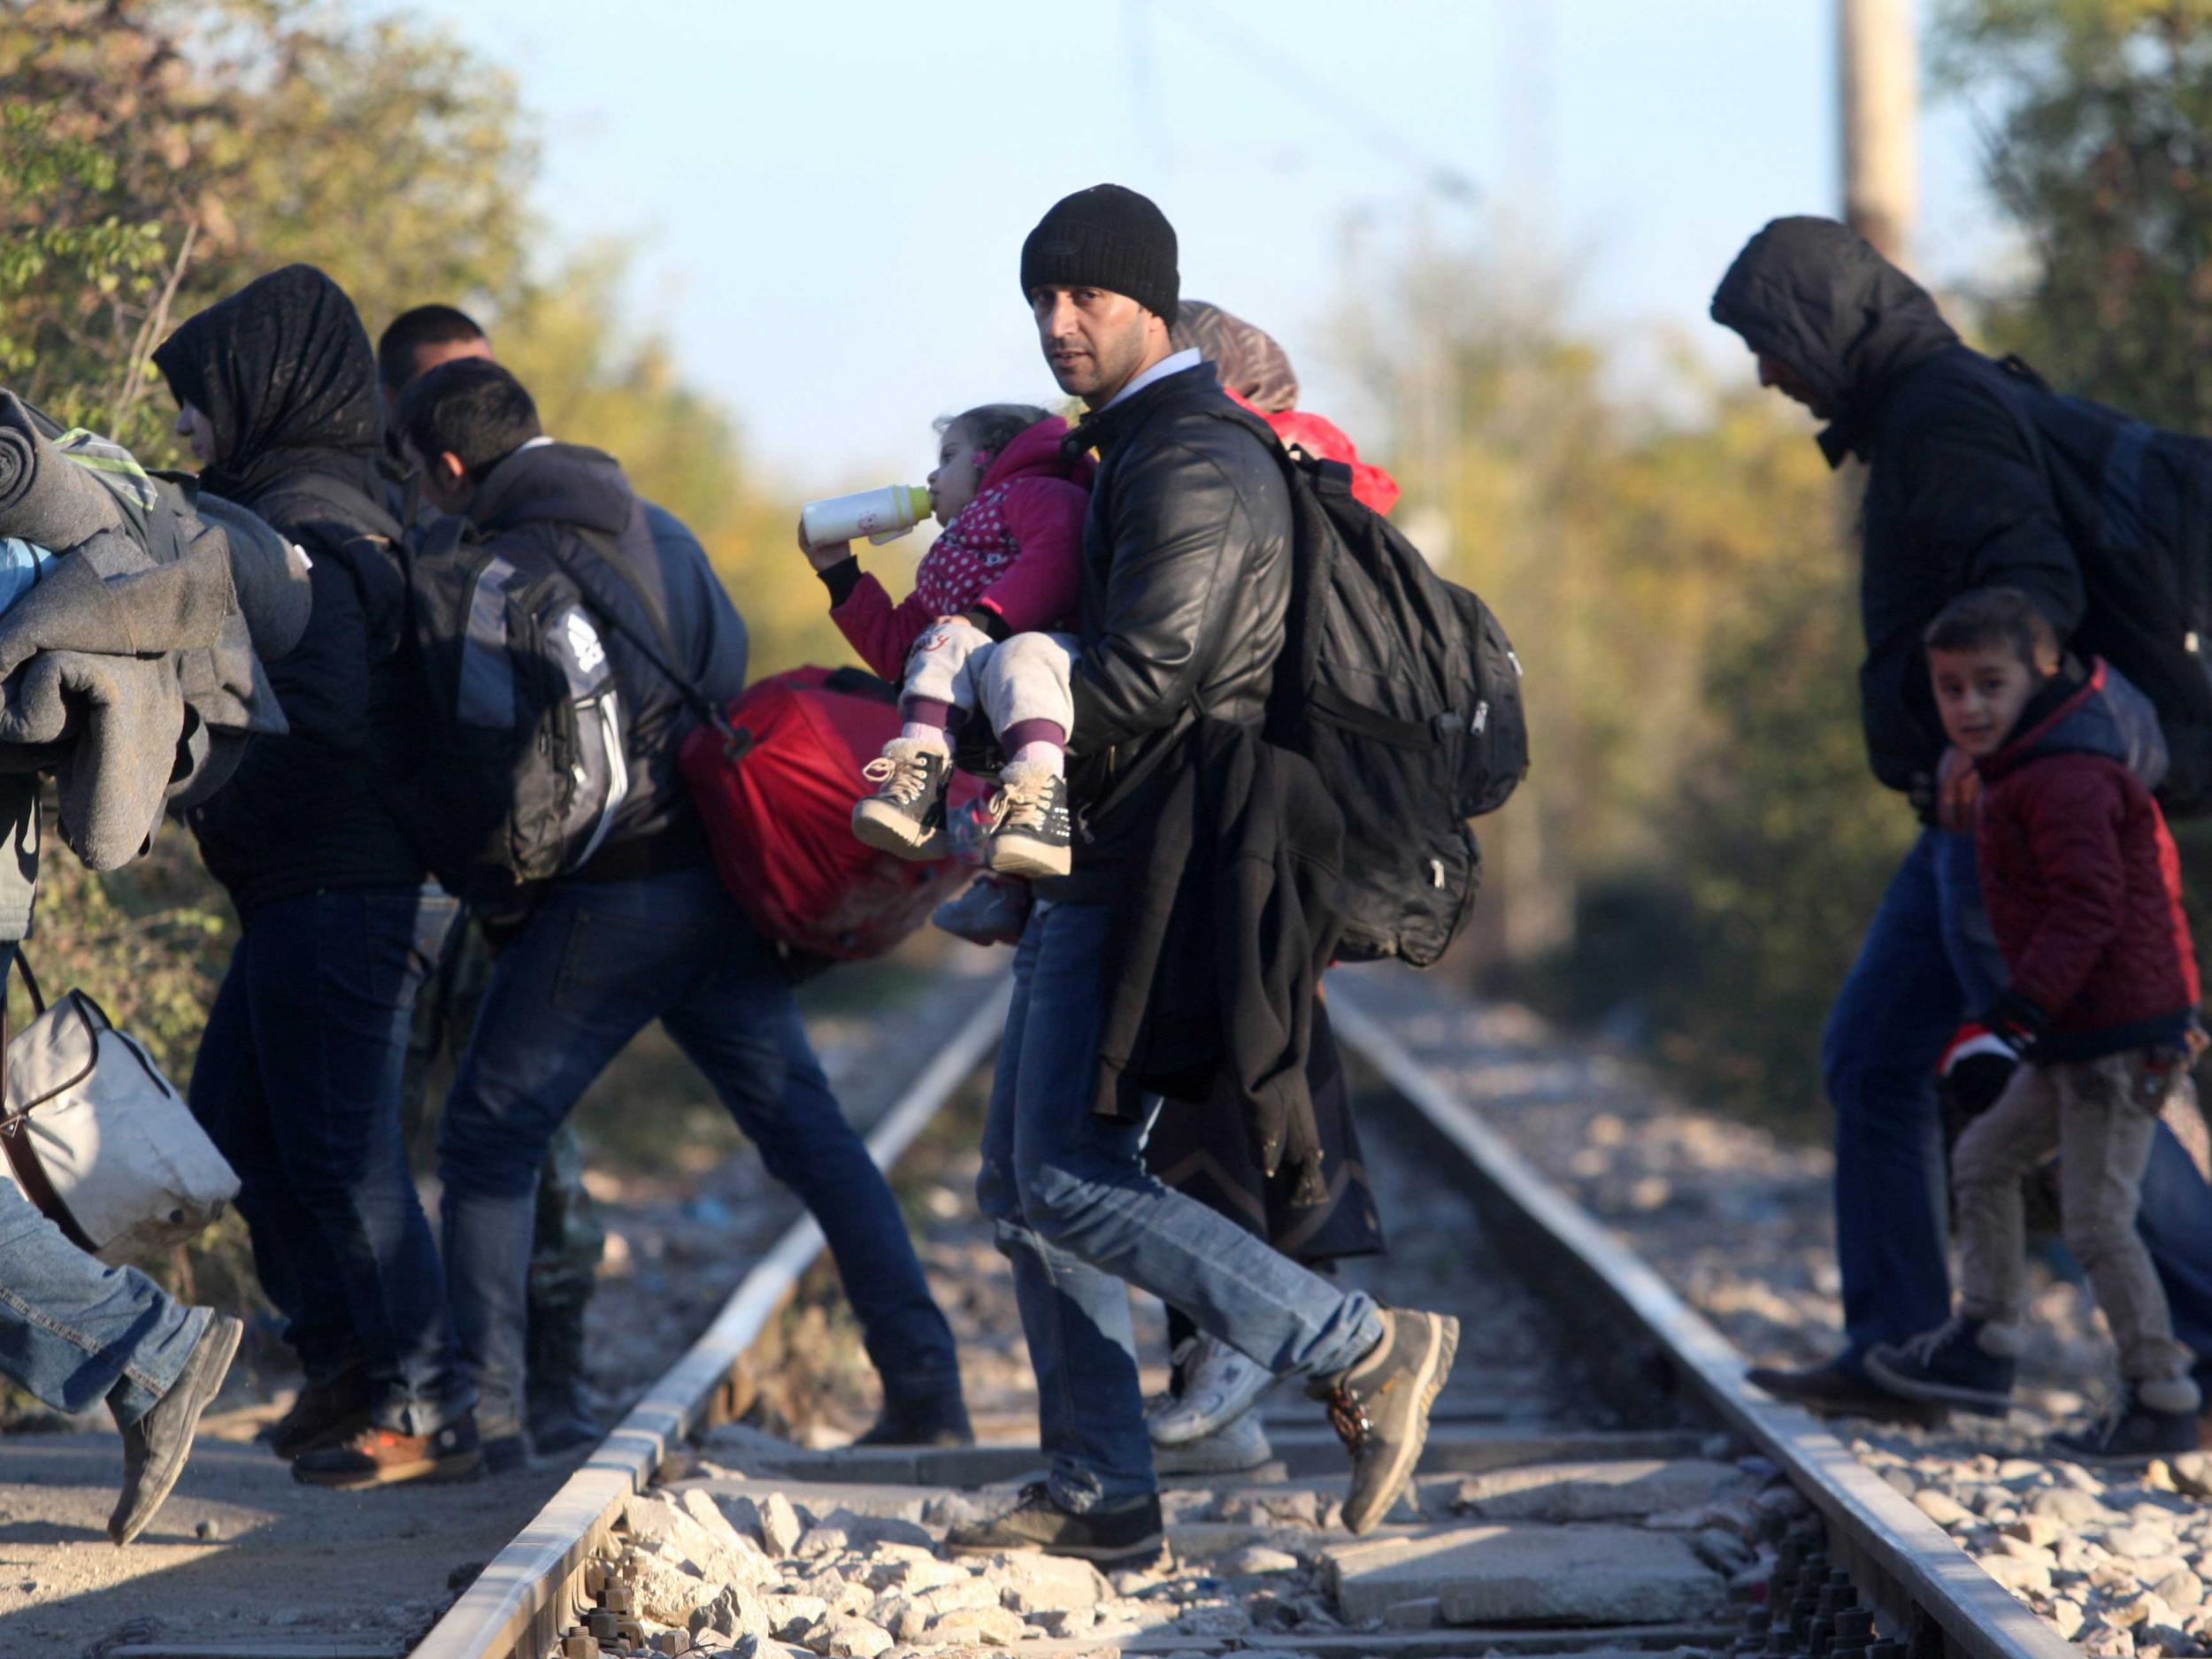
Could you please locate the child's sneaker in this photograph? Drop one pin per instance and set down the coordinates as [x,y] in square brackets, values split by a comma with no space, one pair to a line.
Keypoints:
[993,910]
[1964,1363]
[2151,1420]
[906,814]
[1033,831]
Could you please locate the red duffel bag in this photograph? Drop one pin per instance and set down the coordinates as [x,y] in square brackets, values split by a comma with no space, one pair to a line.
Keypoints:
[777,789]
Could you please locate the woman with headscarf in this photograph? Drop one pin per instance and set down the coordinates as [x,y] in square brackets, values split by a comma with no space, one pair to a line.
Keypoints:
[299,1071]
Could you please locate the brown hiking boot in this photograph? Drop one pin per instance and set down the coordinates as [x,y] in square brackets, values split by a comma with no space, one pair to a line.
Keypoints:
[386,1457]
[1380,1409]
[323,1414]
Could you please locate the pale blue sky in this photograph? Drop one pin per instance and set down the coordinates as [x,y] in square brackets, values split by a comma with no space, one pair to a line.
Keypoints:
[827,200]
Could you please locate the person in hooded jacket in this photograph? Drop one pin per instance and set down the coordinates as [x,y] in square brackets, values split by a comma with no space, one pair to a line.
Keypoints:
[1255,373]
[642,931]
[1956,498]
[298,1076]
[569,1240]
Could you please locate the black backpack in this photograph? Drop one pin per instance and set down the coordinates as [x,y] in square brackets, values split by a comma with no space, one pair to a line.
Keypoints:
[2136,502]
[517,757]
[1403,691]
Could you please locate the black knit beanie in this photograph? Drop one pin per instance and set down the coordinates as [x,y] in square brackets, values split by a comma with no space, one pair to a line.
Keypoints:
[1105,237]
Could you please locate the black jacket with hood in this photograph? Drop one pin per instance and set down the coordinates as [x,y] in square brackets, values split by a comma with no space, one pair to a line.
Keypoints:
[285,373]
[1186,582]
[1957,495]
[647,574]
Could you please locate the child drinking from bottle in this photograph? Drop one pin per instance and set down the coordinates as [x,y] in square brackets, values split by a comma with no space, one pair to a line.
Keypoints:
[974,635]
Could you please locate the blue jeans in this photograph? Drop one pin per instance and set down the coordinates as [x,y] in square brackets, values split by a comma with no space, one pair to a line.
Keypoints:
[1081,1220]
[74,1332]
[1929,963]
[298,1084]
[598,963]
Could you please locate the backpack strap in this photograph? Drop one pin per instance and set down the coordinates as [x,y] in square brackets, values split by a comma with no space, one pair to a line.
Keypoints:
[2017,367]
[660,651]
[352,512]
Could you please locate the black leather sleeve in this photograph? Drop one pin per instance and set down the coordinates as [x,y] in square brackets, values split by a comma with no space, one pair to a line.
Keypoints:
[1171,587]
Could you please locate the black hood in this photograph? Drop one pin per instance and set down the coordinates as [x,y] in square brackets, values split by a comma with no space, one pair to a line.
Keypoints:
[555,483]
[1816,294]
[284,370]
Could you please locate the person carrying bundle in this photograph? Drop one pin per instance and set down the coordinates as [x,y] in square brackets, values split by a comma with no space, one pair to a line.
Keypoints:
[975,634]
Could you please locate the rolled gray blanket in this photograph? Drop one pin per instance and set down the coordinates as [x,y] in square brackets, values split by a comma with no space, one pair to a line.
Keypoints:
[44,497]
[122,716]
[178,607]
[274,589]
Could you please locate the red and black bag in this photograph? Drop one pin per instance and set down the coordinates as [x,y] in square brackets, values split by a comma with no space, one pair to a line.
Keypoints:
[776,780]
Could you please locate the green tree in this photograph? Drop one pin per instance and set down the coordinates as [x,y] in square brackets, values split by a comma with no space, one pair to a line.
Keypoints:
[597,382]
[2100,151]
[1700,842]
[2099,122]
[158,154]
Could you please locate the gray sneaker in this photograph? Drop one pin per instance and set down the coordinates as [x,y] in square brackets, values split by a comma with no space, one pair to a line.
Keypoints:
[1379,1408]
[992,910]
[156,1446]
[1219,1387]
[1230,1449]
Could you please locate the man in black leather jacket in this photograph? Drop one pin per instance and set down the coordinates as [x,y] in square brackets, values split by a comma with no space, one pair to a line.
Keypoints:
[1186,579]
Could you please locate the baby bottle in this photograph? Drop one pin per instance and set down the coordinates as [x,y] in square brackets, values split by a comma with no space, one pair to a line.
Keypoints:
[882,515]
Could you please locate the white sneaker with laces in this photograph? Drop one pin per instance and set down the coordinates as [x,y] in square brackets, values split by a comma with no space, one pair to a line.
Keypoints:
[906,814]
[1223,1386]
[1230,1450]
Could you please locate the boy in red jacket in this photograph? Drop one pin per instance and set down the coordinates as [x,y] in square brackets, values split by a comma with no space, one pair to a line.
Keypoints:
[2084,892]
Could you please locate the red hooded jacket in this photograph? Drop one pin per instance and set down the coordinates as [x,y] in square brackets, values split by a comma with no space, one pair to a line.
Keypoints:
[1371,487]
[1016,549]
[2082,882]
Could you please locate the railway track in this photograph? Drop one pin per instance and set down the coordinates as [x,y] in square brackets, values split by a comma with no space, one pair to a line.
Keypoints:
[1600,1479]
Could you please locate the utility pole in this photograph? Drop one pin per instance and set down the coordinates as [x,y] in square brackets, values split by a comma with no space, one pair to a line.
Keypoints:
[1877,57]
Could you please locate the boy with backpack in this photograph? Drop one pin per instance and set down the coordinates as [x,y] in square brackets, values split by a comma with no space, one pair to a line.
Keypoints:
[630,923]
[2083,888]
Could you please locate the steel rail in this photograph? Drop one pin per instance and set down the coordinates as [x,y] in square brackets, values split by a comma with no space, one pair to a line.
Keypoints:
[1929,1592]
[527,1594]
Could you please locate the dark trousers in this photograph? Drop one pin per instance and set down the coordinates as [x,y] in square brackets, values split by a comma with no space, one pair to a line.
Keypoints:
[596,963]
[1927,964]
[298,1084]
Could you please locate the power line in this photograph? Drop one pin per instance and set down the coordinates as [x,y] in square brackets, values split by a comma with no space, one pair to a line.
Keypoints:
[1248,46]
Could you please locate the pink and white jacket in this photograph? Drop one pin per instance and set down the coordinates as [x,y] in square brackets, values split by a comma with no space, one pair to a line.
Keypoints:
[1016,549]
